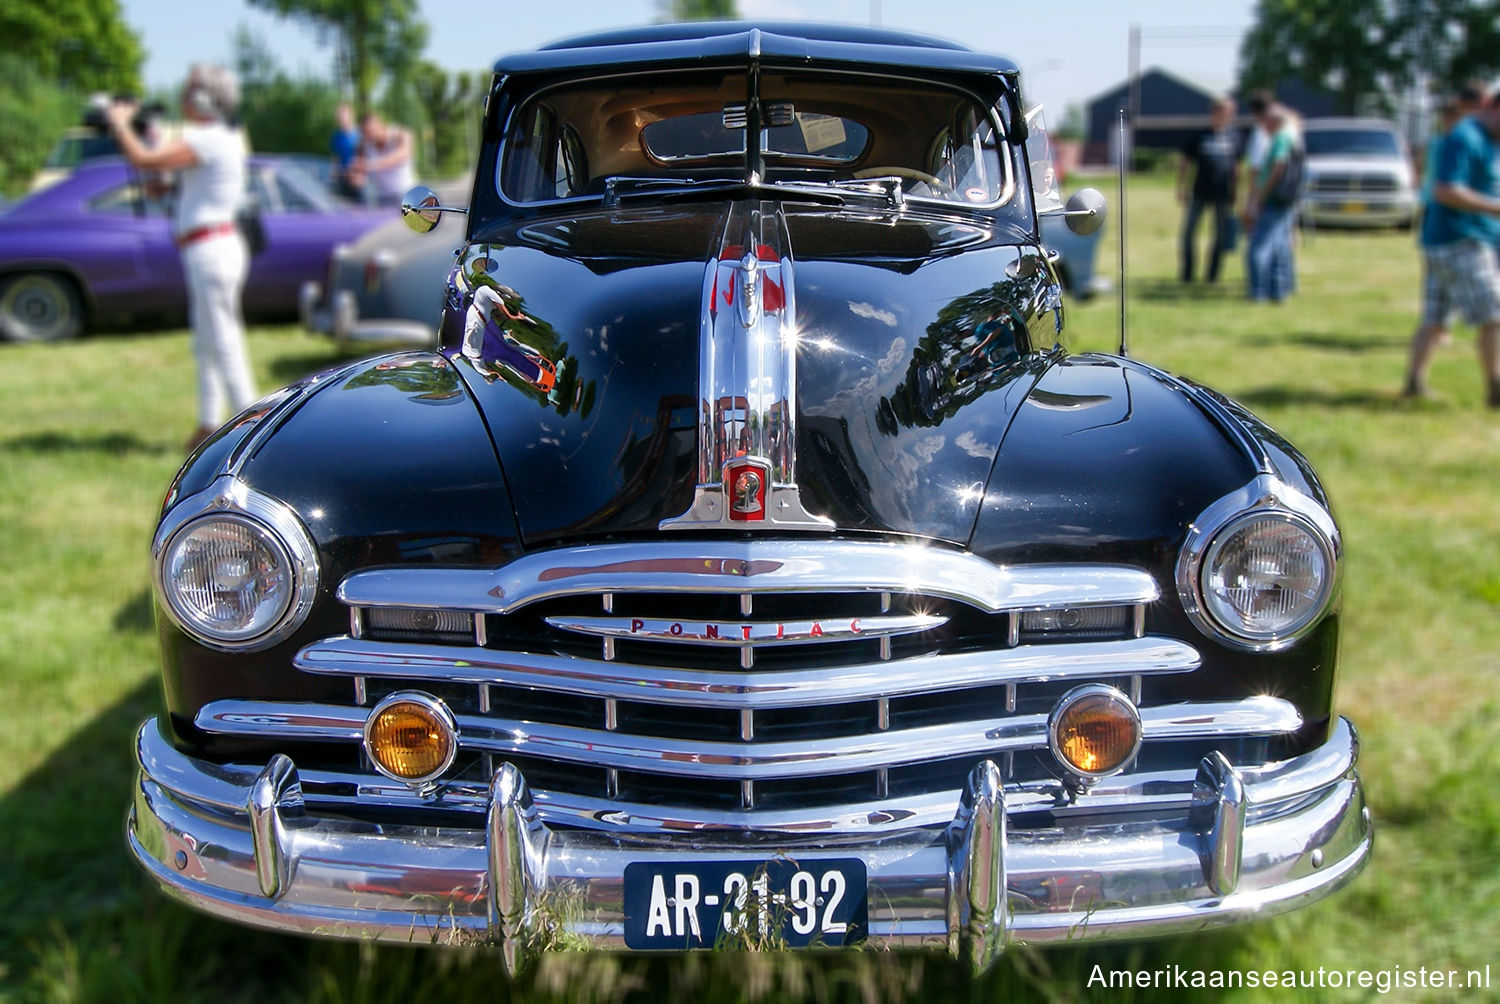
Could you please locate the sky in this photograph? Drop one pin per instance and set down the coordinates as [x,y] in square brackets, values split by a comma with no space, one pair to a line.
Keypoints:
[1069,50]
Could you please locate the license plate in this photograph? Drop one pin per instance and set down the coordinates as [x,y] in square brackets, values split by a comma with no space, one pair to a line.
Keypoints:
[699,904]
[1353,207]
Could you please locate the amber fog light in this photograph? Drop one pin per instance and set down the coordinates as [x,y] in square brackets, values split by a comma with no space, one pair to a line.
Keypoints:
[411,737]
[1094,731]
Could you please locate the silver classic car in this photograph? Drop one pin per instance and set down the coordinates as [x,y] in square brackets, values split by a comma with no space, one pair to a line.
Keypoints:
[751,564]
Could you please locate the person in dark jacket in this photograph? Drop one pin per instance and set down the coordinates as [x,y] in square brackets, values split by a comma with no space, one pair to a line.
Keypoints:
[1206,178]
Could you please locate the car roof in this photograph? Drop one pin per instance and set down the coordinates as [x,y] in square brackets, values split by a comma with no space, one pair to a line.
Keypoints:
[700,43]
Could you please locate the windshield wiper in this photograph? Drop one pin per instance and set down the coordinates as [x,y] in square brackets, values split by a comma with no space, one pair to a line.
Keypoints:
[889,186]
[678,189]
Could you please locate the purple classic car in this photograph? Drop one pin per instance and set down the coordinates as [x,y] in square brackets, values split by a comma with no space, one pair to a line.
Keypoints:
[95,245]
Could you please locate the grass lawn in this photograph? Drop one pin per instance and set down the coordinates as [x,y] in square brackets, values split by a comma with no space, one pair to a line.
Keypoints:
[90,433]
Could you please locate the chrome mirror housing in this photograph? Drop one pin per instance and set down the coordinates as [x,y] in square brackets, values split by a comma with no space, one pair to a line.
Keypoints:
[422,210]
[1085,211]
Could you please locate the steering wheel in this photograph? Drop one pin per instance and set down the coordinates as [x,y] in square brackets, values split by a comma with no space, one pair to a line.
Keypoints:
[935,183]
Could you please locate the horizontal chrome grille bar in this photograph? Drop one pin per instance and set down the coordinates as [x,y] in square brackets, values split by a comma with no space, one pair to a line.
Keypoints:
[1257,716]
[360,657]
[750,567]
[1265,787]
[742,634]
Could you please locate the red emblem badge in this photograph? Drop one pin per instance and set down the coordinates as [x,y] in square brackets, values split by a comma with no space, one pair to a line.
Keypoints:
[745,487]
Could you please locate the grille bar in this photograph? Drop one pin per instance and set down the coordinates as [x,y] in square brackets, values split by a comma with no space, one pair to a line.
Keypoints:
[359,657]
[749,567]
[1256,716]
[747,633]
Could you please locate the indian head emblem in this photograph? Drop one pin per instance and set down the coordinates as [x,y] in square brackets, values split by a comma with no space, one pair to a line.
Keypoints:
[746,480]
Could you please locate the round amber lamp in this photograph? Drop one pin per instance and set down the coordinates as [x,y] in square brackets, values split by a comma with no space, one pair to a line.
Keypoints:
[411,737]
[1094,731]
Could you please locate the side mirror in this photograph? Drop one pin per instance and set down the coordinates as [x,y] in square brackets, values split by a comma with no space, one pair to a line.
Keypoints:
[422,210]
[1085,211]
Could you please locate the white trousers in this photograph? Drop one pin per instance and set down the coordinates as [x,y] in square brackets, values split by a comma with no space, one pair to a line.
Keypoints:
[215,271]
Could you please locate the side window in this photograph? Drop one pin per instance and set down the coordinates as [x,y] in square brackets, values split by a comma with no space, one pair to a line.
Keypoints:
[532,155]
[1039,155]
[129,200]
[293,199]
[263,191]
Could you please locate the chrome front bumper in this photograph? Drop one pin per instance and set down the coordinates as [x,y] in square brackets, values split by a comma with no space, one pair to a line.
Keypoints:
[1228,844]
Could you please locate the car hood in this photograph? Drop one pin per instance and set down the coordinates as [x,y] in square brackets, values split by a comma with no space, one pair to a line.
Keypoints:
[916,343]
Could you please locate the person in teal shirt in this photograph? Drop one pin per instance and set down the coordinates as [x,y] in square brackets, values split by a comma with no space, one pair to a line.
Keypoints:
[1270,269]
[1460,231]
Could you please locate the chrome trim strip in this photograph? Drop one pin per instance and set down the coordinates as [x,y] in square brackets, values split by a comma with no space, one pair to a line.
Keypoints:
[1148,656]
[747,633]
[747,382]
[750,567]
[1267,788]
[1261,716]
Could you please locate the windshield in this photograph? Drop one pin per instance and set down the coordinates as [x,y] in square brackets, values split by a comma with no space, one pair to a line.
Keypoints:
[572,141]
[72,150]
[1353,143]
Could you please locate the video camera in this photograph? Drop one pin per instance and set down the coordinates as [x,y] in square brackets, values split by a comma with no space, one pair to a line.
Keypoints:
[145,115]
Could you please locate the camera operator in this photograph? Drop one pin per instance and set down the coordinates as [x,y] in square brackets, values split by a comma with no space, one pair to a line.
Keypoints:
[211,157]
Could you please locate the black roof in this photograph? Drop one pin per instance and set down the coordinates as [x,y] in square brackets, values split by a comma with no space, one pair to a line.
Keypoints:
[780,42]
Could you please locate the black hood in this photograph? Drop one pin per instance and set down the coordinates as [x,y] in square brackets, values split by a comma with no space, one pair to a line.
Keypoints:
[912,358]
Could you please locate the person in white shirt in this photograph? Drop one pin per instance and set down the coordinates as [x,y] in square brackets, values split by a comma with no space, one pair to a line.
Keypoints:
[385,160]
[211,159]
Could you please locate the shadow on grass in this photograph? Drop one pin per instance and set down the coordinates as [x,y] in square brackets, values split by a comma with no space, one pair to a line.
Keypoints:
[111,443]
[79,921]
[136,615]
[1187,293]
[1357,341]
[1313,397]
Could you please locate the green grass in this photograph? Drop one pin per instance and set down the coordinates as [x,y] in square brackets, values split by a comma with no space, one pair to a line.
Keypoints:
[90,433]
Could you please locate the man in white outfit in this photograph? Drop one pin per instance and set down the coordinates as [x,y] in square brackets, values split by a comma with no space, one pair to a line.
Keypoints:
[211,158]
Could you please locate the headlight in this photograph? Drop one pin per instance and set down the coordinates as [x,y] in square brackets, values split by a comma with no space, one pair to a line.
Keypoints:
[239,576]
[1260,575]
[1266,576]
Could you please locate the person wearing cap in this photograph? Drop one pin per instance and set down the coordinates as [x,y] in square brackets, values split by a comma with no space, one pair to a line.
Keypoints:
[1460,231]
[211,158]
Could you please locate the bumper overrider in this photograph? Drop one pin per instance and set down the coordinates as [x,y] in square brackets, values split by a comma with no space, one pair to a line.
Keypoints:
[1230,844]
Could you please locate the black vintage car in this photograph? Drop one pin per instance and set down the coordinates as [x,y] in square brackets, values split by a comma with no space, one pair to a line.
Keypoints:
[751,564]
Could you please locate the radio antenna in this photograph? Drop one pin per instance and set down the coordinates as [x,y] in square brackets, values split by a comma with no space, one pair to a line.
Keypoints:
[1125,154]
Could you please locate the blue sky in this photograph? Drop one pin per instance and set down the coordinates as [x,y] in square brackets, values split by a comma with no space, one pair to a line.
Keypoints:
[1069,50]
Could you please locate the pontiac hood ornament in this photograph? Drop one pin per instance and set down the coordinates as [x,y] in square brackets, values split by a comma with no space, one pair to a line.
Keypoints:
[747,384]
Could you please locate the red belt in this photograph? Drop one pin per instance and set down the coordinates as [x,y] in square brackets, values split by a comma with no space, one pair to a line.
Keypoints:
[197,234]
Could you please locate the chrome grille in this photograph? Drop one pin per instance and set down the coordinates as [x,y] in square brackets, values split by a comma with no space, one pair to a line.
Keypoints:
[1352,183]
[750,679]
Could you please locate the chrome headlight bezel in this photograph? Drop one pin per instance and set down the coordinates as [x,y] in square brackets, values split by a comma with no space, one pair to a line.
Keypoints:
[1266,498]
[274,524]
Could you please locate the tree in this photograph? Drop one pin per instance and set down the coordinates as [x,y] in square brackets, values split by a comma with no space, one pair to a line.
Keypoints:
[80,45]
[281,114]
[451,103]
[1369,51]
[371,36]
[1336,44]
[699,10]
